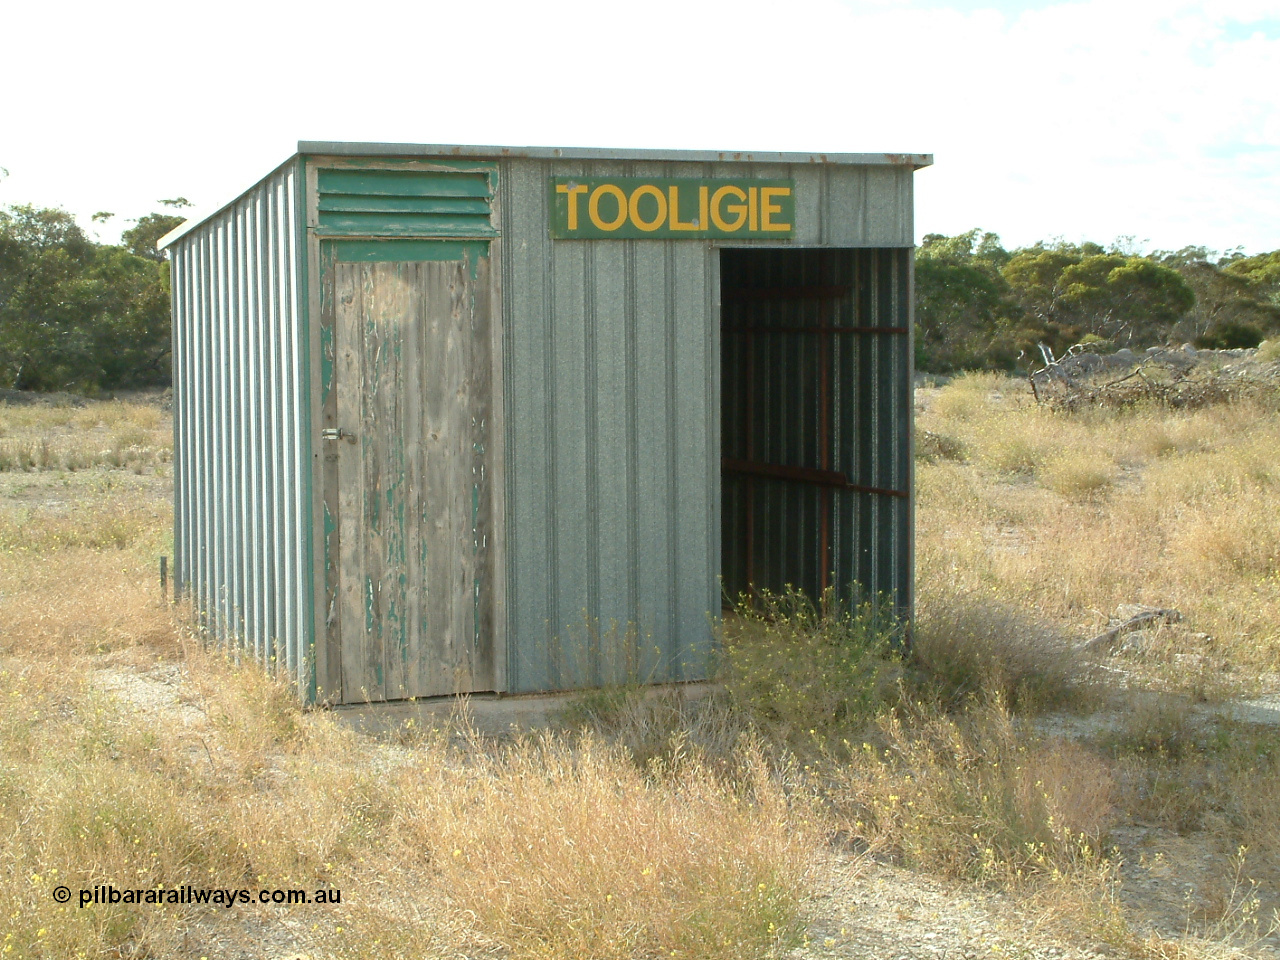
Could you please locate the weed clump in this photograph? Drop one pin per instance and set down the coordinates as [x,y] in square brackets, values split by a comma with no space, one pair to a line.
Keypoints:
[969,649]
[656,724]
[975,797]
[810,674]
[1079,478]
[932,447]
[1154,726]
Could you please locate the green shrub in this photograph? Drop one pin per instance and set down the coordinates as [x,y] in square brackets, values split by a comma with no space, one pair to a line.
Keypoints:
[809,675]
[1230,335]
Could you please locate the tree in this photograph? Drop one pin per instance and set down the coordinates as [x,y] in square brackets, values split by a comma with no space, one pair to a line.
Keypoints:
[979,247]
[141,238]
[962,301]
[1033,274]
[76,315]
[41,253]
[1262,272]
[1077,290]
[127,297]
[1231,304]
[1124,299]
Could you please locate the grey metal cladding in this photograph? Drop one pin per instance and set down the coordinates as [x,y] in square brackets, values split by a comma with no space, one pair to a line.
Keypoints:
[612,422]
[891,165]
[602,519]
[611,404]
[910,161]
[241,497]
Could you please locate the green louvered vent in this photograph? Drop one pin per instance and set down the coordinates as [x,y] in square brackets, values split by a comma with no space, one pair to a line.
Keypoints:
[402,203]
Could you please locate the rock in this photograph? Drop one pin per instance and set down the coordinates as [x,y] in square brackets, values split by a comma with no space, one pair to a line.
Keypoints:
[1133,617]
[1127,611]
[1135,644]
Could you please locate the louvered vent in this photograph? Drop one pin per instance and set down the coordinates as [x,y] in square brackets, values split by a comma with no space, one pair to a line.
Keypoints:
[402,203]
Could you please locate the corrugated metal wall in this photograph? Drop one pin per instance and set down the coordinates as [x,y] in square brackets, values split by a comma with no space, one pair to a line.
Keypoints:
[241,425]
[610,374]
[816,419]
[612,370]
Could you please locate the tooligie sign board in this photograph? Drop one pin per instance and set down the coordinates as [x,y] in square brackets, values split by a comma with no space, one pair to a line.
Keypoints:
[628,208]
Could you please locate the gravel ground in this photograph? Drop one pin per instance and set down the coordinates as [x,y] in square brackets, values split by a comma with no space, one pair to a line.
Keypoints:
[875,911]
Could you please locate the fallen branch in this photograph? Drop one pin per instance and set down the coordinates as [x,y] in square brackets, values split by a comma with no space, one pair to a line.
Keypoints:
[1105,640]
[1136,372]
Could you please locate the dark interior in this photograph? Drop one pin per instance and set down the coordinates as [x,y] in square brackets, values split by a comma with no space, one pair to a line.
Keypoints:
[813,345]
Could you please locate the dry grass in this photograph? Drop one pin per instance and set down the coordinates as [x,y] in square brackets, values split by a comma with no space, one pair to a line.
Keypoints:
[563,848]
[547,847]
[1068,515]
[975,797]
[1059,517]
[129,755]
[655,724]
[1191,776]
[975,649]
[131,435]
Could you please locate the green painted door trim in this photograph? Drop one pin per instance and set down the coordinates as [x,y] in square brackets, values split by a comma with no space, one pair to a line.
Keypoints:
[352,251]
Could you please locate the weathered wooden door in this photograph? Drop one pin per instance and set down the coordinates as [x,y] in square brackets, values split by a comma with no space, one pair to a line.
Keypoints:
[412,599]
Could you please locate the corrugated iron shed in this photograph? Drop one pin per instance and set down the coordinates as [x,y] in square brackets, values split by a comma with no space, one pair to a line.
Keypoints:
[476,418]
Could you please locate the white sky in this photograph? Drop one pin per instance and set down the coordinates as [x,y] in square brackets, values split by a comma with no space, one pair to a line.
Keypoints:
[1152,118]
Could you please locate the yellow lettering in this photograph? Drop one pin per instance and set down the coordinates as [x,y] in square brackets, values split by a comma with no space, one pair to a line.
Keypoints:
[767,209]
[572,191]
[653,207]
[717,205]
[674,193]
[593,207]
[648,190]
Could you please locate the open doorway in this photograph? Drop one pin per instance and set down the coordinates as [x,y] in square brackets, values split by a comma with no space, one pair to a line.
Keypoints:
[816,422]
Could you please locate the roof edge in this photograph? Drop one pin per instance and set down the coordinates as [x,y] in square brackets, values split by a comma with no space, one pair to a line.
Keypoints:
[913,161]
[182,229]
[345,149]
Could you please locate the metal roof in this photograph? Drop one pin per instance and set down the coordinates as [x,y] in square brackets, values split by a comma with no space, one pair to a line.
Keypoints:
[343,149]
[321,147]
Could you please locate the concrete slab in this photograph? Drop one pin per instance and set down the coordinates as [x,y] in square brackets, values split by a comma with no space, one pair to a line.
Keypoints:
[490,714]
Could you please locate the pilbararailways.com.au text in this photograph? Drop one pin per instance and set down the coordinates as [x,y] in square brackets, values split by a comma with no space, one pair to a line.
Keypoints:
[109,895]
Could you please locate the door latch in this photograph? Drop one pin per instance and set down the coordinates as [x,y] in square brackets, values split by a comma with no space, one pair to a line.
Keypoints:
[337,433]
